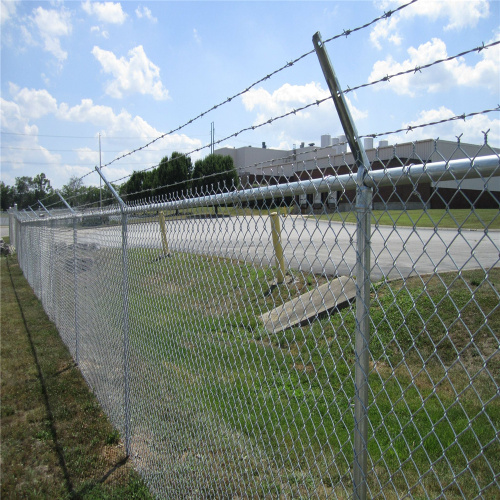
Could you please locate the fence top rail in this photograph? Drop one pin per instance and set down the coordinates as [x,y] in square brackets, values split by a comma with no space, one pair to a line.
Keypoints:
[481,167]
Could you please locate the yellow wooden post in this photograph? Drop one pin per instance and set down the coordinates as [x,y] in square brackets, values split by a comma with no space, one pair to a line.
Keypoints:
[278,249]
[163,233]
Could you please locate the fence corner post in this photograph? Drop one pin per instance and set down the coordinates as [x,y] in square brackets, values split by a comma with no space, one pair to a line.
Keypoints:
[363,232]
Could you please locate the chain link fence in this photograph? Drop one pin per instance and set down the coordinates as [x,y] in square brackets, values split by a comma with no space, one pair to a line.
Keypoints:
[227,346]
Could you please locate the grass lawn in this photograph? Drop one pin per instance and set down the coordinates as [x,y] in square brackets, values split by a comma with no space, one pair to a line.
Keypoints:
[221,408]
[465,219]
[434,408]
[56,441]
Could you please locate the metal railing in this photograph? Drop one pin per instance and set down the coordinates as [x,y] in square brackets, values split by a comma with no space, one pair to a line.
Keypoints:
[229,378]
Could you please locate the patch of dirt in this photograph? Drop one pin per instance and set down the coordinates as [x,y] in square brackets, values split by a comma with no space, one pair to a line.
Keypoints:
[303,368]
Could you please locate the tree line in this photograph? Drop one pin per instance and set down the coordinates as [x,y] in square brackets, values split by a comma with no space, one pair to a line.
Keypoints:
[178,177]
[174,176]
[27,191]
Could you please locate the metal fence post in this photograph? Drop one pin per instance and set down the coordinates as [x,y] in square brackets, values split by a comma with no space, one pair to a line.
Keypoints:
[363,232]
[42,205]
[125,309]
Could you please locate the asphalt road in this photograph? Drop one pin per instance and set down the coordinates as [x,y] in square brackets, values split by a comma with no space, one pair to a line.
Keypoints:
[320,246]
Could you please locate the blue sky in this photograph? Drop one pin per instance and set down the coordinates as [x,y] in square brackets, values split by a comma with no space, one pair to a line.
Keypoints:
[132,71]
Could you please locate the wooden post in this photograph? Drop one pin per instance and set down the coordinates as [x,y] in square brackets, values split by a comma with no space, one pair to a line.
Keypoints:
[278,249]
[163,234]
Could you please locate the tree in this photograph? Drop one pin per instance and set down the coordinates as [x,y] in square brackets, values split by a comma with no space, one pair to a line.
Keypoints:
[172,176]
[25,191]
[42,186]
[215,172]
[73,191]
[138,186]
[7,196]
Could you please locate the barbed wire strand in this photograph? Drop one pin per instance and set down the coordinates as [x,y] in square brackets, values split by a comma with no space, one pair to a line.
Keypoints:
[420,68]
[345,33]
[407,129]
[348,89]
[298,153]
[320,101]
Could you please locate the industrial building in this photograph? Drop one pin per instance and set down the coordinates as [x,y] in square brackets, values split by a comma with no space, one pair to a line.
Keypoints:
[333,157]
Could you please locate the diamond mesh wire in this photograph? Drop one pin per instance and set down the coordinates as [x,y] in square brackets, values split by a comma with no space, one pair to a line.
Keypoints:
[226,382]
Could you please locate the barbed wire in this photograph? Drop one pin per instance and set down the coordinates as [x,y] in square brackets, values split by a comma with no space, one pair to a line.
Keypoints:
[345,33]
[410,128]
[407,129]
[315,150]
[320,101]
[235,134]
[420,68]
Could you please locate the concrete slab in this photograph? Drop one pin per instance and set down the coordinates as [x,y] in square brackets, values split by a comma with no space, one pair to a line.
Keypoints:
[310,305]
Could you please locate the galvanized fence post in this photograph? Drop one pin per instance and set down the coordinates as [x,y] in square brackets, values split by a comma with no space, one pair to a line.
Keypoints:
[42,205]
[125,310]
[363,232]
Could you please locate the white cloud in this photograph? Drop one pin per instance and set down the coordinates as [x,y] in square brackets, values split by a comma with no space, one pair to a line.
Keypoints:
[98,31]
[137,74]
[106,12]
[33,104]
[27,105]
[141,12]
[302,126]
[22,149]
[287,98]
[7,10]
[485,73]
[458,14]
[52,25]
[471,129]
[88,155]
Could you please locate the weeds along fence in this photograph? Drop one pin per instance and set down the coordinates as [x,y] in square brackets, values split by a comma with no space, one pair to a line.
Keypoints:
[243,354]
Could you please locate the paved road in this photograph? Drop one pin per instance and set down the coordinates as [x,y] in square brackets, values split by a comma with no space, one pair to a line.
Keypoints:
[4,231]
[323,247]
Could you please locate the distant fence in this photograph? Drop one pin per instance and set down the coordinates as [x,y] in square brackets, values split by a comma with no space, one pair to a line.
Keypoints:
[371,366]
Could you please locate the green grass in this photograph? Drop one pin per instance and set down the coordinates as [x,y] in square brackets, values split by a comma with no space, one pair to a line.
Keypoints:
[429,340]
[56,441]
[233,408]
[463,218]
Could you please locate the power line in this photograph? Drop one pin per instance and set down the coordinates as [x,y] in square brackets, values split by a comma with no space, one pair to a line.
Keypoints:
[77,136]
[48,135]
